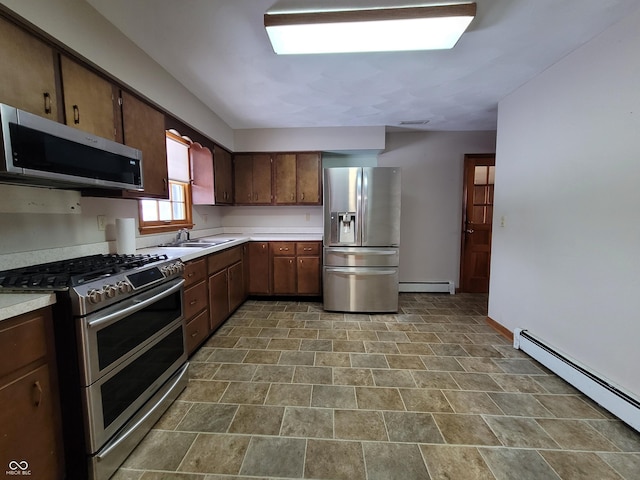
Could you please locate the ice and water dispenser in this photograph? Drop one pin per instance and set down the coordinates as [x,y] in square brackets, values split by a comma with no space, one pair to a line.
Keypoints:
[344,227]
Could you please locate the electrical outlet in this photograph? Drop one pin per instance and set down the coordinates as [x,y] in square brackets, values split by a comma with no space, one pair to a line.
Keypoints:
[503,221]
[102,222]
[307,217]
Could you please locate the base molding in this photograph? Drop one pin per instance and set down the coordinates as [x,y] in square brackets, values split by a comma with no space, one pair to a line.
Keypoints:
[504,331]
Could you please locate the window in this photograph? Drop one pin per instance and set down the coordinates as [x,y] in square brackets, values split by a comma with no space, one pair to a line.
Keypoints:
[158,216]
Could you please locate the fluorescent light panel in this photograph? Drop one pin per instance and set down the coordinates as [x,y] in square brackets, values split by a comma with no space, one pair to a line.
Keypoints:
[377,30]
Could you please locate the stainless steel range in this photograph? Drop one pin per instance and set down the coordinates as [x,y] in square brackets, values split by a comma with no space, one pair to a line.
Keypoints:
[120,347]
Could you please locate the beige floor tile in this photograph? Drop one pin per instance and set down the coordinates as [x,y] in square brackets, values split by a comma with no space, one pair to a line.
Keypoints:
[377,398]
[455,463]
[161,450]
[261,357]
[425,400]
[472,402]
[626,464]
[519,404]
[568,406]
[274,373]
[235,372]
[289,394]
[618,433]
[352,376]
[257,420]
[204,391]
[381,347]
[576,435]
[519,432]
[505,463]
[465,429]
[359,425]
[386,461]
[274,457]
[245,392]
[393,378]
[331,359]
[334,459]
[368,360]
[412,427]
[297,358]
[575,465]
[208,417]
[216,453]
[476,381]
[333,396]
[307,422]
[313,375]
[408,362]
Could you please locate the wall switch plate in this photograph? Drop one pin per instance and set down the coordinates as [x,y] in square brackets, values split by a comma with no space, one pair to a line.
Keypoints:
[102,222]
[503,221]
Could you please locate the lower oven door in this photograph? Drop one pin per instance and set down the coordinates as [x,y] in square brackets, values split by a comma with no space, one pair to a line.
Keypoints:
[112,400]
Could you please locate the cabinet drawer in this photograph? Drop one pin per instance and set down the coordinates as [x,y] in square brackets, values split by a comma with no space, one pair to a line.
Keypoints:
[197,331]
[194,272]
[22,341]
[28,424]
[308,248]
[283,248]
[195,299]
[223,259]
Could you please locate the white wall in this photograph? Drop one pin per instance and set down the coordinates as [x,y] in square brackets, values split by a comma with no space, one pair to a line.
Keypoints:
[566,266]
[432,165]
[313,139]
[79,26]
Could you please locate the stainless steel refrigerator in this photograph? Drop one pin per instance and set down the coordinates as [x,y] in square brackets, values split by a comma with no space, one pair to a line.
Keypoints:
[361,239]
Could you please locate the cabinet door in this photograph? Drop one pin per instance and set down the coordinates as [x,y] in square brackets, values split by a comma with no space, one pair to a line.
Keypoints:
[218,299]
[28,426]
[236,285]
[262,179]
[223,176]
[243,170]
[309,275]
[89,100]
[143,128]
[284,167]
[259,268]
[284,275]
[27,72]
[308,178]
[201,175]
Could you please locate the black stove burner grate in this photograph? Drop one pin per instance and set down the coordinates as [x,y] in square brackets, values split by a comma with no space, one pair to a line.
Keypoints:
[61,275]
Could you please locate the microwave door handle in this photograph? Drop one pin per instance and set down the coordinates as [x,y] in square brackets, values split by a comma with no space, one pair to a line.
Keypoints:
[136,306]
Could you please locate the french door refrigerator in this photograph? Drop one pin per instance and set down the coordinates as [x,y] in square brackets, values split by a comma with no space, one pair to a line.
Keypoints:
[361,239]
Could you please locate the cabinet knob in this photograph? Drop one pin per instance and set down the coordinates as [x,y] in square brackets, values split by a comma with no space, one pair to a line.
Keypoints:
[37,393]
[47,102]
[302,198]
[195,334]
[76,114]
[193,302]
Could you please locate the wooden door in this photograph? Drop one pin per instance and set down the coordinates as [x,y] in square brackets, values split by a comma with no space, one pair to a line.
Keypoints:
[201,159]
[223,177]
[308,178]
[27,72]
[236,285]
[479,174]
[218,299]
[143,128]
[262,178]
[243,178]
[284,275]
[308,270]
[285,178]
[259,268]
[89,100]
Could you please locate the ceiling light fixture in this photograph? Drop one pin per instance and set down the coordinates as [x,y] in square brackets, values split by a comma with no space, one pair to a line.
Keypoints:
[370,30]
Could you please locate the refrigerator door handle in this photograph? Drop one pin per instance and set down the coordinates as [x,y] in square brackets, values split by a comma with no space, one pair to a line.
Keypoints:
[371,251]
[348,271]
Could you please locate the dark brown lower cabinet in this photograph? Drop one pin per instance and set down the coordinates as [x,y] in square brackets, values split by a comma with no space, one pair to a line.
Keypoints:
[259,271]
[30,425]
[226,284]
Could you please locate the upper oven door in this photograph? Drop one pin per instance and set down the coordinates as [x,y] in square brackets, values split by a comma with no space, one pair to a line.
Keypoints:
[110,336]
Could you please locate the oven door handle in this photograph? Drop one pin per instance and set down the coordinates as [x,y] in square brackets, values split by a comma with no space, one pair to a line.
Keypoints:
[136,306]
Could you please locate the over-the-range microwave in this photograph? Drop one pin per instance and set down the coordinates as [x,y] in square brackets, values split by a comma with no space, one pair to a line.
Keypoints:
[39,151]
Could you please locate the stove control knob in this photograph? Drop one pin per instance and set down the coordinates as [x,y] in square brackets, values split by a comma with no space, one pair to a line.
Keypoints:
[110,290]
[123,286]
[180,267]
[95,295]
[165,270]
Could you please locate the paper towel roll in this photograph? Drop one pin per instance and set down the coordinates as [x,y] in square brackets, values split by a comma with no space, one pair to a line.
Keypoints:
[125,235]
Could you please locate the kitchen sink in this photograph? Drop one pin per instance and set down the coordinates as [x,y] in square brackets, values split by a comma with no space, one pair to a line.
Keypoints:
[196,243]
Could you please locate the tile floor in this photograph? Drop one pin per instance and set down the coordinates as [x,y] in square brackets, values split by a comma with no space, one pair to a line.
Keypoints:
[285,390]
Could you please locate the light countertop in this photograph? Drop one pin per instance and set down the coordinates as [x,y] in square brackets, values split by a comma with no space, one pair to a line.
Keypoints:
[14,304]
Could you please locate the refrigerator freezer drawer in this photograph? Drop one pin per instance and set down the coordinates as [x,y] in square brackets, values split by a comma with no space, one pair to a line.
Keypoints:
[360,289]
[361,257]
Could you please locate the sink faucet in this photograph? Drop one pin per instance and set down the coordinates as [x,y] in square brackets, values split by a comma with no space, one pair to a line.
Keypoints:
[180,232]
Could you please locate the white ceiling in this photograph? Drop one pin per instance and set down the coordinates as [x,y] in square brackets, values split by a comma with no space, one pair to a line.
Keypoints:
[219,50]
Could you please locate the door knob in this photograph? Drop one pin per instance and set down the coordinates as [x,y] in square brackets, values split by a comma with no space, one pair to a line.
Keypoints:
[469,230]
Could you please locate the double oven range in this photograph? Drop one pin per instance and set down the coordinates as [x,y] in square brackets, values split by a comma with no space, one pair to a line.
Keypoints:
[120,349]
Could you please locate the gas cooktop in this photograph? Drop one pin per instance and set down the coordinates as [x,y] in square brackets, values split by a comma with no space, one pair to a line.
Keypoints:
[64,274]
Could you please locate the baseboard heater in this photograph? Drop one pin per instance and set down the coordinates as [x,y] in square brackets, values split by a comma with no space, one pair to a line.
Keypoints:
[611,397]
[429,287]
